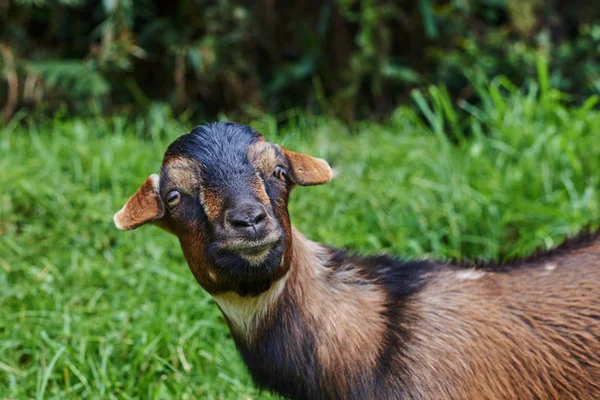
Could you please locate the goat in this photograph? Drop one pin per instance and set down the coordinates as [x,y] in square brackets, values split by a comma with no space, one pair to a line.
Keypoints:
[314,322]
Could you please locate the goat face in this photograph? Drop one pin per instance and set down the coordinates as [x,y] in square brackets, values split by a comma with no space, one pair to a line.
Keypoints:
[223,190]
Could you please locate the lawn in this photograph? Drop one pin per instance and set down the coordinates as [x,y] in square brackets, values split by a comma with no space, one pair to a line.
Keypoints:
[87,311]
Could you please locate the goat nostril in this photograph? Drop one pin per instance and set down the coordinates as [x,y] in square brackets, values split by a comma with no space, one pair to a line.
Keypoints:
[259,217]
[241,220]
[240,223]
[246,218]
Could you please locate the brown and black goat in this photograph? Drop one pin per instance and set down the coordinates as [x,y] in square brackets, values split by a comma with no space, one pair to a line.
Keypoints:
[313,322]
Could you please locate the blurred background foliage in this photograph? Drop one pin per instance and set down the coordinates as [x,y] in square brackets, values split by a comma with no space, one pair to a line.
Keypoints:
[350,58]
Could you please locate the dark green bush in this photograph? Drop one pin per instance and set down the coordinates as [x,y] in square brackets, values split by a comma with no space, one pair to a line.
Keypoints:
[353,58]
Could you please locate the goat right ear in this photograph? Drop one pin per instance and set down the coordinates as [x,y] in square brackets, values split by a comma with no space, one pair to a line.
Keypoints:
[144,206]
[306,170]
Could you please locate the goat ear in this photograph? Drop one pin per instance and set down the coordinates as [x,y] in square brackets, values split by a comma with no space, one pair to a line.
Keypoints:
[306,170]
[144,206]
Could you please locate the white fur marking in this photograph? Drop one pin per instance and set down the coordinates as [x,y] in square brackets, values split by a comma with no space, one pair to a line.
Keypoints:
[470,274]
[550,267]
[203,202]
[117,217]
[255,259]
[245,313]
[212,276]
[156,181]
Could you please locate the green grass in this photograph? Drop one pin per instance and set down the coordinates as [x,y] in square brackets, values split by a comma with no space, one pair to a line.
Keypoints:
[87,311]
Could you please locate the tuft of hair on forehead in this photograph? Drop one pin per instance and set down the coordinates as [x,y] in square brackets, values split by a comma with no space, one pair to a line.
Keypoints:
[222,142]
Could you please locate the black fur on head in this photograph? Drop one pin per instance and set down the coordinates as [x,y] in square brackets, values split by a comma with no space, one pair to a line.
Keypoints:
[227,180]
[223,190]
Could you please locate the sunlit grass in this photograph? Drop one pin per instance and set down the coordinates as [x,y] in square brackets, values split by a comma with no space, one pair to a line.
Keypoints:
[87,311]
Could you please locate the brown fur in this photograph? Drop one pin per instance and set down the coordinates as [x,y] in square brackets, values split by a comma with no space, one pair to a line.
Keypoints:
[259,190]
[306,170]
[533,333]
[530,333]
[213,203]
[183,174]
[350,324]
[198,262]
[144,206]
[180,173]
[263,156]
[186,175]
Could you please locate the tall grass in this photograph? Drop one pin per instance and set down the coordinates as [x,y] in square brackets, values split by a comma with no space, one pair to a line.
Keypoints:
[89,312]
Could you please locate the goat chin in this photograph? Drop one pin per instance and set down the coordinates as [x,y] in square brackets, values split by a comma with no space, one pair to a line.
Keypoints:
[240,267]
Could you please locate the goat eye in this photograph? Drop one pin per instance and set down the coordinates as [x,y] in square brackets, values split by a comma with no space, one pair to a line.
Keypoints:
[173,198]
[280,173]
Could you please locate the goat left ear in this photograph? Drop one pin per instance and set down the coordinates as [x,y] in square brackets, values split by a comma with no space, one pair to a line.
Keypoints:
[144,206]
[306,170]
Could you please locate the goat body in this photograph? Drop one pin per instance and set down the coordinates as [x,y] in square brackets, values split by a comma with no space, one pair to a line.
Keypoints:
[377,328]
[313,322]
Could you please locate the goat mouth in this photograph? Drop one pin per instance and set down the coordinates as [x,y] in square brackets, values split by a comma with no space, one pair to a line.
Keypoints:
[251,247]
[234,256]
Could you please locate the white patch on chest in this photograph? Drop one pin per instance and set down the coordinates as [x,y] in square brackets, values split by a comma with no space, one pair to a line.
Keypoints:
[470,274]
[246,313]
